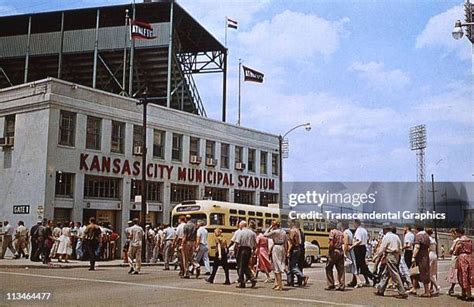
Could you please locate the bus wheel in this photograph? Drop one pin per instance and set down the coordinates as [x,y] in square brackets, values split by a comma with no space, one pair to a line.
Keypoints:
[308,261]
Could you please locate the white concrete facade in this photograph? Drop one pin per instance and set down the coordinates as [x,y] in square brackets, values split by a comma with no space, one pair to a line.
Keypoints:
[29,170]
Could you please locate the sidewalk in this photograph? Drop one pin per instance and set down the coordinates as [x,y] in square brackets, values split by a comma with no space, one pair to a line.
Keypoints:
[8,262]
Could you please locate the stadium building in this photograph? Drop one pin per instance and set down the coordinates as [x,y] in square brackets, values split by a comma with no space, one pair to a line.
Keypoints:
[71,132]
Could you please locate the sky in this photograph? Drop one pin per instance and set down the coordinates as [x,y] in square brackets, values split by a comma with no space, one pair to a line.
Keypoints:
[361,72]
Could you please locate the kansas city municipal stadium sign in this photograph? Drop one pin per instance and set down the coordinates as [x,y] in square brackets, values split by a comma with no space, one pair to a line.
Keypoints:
[125,167]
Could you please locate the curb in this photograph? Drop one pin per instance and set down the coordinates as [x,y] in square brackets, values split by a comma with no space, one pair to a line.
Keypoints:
[76,266]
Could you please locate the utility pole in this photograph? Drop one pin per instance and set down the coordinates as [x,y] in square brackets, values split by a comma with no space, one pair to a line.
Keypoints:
[143,211]
[434,209]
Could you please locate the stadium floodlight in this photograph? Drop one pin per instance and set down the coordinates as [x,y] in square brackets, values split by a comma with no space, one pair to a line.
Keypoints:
[418,144]
[418,137]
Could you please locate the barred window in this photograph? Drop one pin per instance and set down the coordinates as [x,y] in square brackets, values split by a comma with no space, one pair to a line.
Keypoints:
[9,126]
[137,137]
[238,154]
[268,198]
[64,185]
[275,164]
[159,144]
[210,149]
[263,162]
[102,187]
[243,197]
[93,133]
[224,155]
[251,160]
[154,193]
[177,152]
[67,127]
[181,192]
[216,194]
[193,146]
[118,137]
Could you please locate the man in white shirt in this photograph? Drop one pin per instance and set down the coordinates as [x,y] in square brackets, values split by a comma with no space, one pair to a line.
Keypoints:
[7,242]
[390,248]
[150,243]
[168,250]
[360,250]
[135,253]
[202,248]
[21,237]
[177,244]
[408,243]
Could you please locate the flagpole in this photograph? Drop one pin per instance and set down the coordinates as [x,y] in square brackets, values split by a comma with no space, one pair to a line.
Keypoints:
[225,40]
[124,75]
[240,81]
[132,52]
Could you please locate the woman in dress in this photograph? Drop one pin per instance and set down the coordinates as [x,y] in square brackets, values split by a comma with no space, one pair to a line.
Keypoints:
[452,276]
[64,245]
[263,259]
[279,239]
[350,256]
[465,264]
[433,263]
[421,256]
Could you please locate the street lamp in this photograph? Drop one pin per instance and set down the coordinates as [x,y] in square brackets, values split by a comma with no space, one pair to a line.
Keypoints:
[307,127]
[458,31]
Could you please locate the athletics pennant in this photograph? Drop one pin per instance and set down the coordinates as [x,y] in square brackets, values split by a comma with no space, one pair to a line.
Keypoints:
[252,75]
[232,23]
[141,30]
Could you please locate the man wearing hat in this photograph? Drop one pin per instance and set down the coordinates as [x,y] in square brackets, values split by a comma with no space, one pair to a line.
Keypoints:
[390,249]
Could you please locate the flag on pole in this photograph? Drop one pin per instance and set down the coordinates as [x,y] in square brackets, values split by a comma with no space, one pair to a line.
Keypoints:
[141,30]
[252,75]
[232,23]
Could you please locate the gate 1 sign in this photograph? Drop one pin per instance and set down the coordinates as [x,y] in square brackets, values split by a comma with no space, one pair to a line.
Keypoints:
[21,209]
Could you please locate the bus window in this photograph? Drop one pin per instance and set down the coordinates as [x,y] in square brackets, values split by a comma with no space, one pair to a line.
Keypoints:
[259,223]
[308,226]
[233,220]
[233,211]
[268,215]
[216,219]
[284,223]
[194,216]
[241,212]
[259,214]
[252,213]
[275,215]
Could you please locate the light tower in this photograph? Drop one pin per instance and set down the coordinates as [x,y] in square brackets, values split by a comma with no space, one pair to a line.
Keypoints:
[418,144]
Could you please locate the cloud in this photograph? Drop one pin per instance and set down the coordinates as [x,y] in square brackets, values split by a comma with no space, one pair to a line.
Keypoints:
[437,33]
[379,76]
[293,35]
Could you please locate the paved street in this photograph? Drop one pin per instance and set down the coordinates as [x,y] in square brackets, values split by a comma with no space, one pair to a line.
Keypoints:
[112,286]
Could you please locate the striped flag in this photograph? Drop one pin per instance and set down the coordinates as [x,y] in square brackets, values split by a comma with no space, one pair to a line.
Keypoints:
[232,23]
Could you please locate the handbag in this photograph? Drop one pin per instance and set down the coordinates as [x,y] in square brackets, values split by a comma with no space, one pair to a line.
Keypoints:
[347,262]
[414,270]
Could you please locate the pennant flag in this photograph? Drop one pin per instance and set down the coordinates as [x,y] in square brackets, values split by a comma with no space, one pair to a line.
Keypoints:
[141,30]
[232,23]
[252,75]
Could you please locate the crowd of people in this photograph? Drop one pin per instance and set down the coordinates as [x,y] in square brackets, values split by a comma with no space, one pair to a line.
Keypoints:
[47,241]
[406,265]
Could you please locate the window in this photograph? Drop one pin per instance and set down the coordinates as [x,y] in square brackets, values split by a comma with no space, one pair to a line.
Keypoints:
[263,162]
[210,149]
[243,197]
[238,154]
[235,220]
[308,226]
[102,187]
[159,144]
[93,132]
[275,164]
[137,137]
[67,125]
[154,189]
[9,130]
[216,194]
[193,146]
[224,155]
[216,219]
[268,198]
[181,192]
[118,137]
[177,151]
[64,184]
[251,160]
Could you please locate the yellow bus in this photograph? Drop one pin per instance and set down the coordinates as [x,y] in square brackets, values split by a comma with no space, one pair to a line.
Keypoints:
[227,216]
